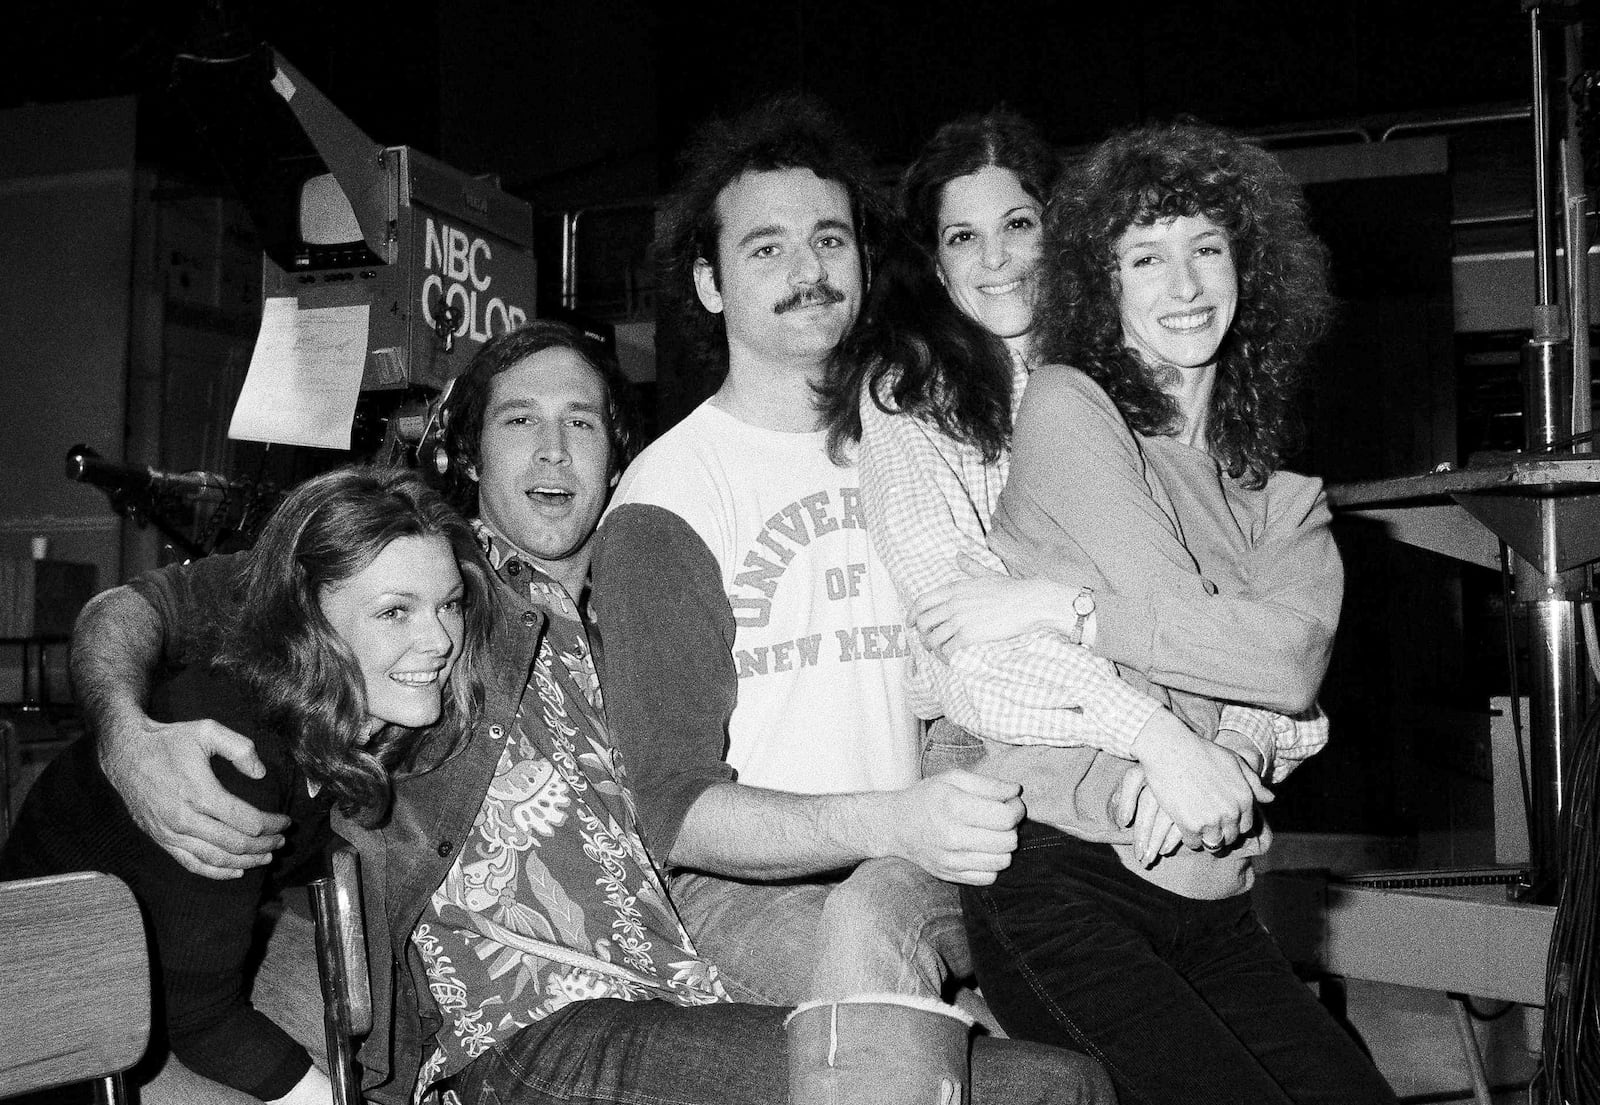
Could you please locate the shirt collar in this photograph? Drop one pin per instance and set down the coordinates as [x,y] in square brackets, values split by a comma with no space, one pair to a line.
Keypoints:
[502,553]
[520,571]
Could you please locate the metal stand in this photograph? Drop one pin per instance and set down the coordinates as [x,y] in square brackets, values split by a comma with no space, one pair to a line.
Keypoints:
[1548,512]
[1543,503]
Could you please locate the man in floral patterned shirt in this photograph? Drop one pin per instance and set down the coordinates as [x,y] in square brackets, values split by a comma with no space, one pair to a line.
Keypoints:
[520,941]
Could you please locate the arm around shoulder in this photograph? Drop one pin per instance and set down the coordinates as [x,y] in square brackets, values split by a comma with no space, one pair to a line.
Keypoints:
[163,772]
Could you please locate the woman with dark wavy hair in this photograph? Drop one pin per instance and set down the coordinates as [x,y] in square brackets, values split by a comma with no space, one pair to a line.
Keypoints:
[1146,515]
[947,328]
[364,618]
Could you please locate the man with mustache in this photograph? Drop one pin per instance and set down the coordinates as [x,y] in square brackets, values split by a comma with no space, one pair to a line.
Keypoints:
[754,646]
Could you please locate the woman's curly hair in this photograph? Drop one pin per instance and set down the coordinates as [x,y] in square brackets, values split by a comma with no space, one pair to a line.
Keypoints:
[1158,172]
[305,682]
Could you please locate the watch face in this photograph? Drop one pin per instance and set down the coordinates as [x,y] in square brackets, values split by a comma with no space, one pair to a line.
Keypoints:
[1083,604]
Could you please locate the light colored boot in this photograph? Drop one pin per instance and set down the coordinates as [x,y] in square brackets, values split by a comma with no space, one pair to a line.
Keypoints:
[878,1049]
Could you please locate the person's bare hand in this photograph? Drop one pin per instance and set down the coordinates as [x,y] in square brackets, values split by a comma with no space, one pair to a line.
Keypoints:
[957,826]
[163,773]
[1155,834]
[1209,791]
[988,606]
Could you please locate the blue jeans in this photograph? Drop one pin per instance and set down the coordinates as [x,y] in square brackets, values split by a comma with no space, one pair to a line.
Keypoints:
[610,1052]
[1186,1002]
[946,746]
[636,1053]
[888,927]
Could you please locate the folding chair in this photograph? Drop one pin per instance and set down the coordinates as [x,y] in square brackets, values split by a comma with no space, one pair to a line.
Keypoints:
[342,966]
[75,988]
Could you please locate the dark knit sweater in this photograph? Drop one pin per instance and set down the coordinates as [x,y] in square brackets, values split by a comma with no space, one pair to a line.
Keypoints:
[201,928]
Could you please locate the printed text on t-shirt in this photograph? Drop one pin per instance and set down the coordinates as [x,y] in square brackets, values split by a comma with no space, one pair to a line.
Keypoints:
[793,526]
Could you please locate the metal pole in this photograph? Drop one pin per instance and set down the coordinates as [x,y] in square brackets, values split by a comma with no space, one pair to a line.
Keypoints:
[1556,703]
[1556,693]
[1544,256]
[1576,200]
[335,1006]
[569,259]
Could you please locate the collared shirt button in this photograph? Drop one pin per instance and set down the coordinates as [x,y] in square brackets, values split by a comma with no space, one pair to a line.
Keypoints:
[445,848]
[529,618]
[496,732]
[1209,587]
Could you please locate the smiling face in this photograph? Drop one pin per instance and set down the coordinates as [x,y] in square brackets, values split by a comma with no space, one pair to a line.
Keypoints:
[989,241]
[788,276]
[544,460]
[401,618]
[1178,290]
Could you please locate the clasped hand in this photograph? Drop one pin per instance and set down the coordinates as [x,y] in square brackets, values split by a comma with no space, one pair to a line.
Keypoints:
[1187,791]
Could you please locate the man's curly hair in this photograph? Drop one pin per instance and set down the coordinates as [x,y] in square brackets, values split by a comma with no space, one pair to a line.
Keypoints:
[788,132]
[1157,172]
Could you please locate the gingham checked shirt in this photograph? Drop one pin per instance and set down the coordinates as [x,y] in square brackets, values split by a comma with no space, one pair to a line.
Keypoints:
[929,498]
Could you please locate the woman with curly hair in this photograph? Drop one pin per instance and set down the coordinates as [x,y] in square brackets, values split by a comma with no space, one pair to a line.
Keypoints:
[363,618]
[1146,516]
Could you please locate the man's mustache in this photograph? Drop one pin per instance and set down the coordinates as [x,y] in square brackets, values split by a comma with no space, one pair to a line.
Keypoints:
[821,292]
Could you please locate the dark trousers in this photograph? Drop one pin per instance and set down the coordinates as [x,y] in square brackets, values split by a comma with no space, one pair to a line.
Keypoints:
[636,1052]
[1186,1002]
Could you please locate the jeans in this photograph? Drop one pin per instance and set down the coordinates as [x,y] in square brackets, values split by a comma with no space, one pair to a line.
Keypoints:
[946,746]
[1186,1002]
[889,927]
[638,1053]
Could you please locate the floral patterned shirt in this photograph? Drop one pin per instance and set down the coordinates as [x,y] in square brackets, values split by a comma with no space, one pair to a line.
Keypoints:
[553,898]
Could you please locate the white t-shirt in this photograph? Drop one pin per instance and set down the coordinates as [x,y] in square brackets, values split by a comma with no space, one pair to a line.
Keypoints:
[819,643]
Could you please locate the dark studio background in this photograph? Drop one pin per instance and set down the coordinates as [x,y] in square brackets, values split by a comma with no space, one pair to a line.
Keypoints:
[582,104]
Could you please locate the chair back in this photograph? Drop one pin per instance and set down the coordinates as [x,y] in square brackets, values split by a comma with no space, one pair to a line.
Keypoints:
[74,981]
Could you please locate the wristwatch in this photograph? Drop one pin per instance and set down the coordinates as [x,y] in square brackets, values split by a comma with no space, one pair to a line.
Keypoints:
[1083,607]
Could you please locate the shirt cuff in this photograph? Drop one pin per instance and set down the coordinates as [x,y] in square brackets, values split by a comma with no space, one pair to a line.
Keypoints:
[1123,719]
